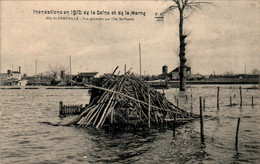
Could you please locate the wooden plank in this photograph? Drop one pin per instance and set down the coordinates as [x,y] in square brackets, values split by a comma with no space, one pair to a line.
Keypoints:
[131,98]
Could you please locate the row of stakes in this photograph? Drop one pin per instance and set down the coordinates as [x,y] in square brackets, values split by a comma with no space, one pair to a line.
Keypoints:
[202,125]
[230,100]
[202,106]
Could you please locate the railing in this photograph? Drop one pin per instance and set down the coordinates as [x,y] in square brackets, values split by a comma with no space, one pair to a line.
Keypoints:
[70,109]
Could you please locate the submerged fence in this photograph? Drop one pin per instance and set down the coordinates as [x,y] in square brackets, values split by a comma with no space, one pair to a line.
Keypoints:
[70,109]
[217,97]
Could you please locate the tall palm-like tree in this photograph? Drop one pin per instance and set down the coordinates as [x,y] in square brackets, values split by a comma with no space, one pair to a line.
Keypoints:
[183,6]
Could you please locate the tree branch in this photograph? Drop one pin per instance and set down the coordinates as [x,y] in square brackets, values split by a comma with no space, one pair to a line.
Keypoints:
[177,2]
[169,9]
[198,4]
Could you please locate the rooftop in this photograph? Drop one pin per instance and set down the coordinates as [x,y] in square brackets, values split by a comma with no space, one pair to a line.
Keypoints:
[87,74]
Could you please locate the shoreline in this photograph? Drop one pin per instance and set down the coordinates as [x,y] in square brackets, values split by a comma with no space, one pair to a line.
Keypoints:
[154,84]
[40,87]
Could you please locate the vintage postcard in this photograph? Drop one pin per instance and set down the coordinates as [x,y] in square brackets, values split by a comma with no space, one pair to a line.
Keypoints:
[144,81]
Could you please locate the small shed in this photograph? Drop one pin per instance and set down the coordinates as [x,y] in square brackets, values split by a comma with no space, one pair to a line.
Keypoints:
[85,77]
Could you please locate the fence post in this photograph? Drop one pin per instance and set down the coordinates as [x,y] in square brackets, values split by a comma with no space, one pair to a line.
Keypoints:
[163,91]
[81,107]
[240,96]
[61,107]
[201,123]
[218,99]
[149,110]
[191,107]
[238,122]
[252,101]
[64,109]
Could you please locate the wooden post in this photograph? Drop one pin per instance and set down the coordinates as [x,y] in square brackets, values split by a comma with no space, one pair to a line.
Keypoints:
[218,99]
[61,107]
[140,59]
[240,96]
[230,99]
[238,122]
[164,121]
[110,124]
[80,108]
[203,102]
[252,101]
[70,72]
[112,116]
[191,107]
[125,69]
[201,122]
[149,110]
[174,125]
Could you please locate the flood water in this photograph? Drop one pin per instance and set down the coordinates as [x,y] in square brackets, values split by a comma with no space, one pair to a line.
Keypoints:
[26,139]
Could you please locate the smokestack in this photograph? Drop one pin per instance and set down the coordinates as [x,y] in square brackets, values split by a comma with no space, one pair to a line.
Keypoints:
[19,69]
[9,72]
[62,74]
[165,69]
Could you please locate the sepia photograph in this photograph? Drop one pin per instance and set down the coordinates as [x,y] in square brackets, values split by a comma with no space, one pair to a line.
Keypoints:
[143,81]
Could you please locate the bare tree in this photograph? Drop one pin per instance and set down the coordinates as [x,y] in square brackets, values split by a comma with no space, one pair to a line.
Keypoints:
[183,6]
[255,72]
[56,70]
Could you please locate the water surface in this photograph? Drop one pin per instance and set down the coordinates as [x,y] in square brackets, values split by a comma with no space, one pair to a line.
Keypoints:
[25,139]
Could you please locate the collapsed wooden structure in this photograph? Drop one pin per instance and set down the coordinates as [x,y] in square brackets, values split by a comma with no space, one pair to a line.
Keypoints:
[127,101]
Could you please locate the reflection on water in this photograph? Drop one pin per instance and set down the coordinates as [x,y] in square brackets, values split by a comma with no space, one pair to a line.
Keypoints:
[26,136]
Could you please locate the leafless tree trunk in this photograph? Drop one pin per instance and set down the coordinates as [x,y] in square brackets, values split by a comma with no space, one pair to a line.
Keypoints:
[56,70]
[182,73]
[182,6]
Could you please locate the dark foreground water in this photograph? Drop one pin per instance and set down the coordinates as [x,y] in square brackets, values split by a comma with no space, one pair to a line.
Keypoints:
[25,139]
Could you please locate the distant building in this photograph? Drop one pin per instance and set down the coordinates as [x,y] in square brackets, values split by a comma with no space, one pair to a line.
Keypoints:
[14,74]
[174,74]
[165,69]
[11,77]
[85,77]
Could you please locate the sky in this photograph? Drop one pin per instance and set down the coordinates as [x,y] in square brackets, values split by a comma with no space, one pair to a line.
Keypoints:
[224,37]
